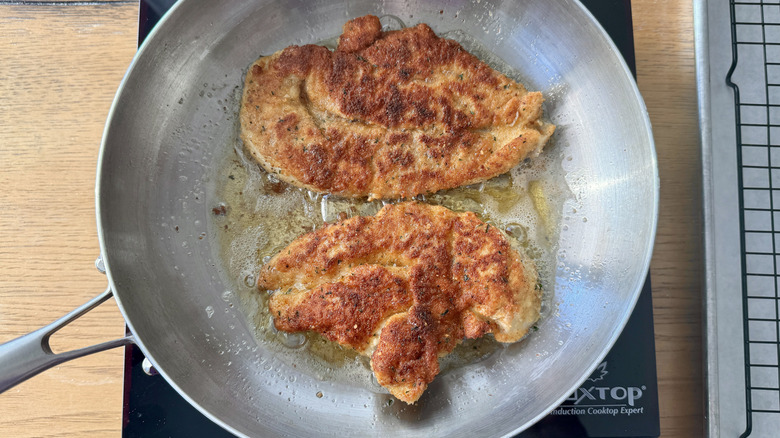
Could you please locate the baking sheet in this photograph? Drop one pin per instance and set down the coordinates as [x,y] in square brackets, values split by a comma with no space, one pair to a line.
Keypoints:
[728,178]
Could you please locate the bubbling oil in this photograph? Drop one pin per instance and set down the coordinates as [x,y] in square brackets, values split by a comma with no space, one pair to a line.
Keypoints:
[262,215]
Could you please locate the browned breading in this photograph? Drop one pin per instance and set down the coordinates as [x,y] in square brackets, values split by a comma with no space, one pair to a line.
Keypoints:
[404,287]
[387,115]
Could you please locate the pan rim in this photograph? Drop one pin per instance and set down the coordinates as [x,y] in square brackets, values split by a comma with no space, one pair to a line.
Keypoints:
[143,48]
[647,130]
[653,224]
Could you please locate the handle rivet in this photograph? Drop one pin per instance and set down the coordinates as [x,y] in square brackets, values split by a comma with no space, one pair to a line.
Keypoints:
[100,265]
[148,368]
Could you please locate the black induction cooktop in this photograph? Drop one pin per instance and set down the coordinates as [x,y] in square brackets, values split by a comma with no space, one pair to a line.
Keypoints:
[620,399]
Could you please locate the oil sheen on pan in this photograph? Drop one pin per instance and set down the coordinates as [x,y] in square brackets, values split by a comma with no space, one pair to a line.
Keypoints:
[404,287]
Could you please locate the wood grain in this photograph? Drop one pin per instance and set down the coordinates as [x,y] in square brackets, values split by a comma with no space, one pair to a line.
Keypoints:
[663,32]
[60,65]
[59,68]
[50,3]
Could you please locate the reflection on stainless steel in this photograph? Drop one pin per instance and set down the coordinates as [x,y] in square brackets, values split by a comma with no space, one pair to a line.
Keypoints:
[174,119]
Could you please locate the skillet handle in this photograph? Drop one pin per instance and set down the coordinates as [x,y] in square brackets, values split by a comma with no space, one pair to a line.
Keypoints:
[30,354]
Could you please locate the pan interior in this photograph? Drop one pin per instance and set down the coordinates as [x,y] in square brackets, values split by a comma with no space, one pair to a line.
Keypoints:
[173,125]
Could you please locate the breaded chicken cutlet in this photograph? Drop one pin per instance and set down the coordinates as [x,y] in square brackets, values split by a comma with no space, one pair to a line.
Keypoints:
[387,114]
[404,287]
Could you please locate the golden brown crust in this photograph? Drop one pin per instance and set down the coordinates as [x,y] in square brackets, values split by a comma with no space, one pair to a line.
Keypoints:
[387,115]
[404,286]
[347,311]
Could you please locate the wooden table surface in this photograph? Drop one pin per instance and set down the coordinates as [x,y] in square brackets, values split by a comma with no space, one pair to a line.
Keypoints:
[60,64]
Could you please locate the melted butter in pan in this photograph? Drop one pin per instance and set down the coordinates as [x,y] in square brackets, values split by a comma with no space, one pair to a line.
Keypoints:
[262,215]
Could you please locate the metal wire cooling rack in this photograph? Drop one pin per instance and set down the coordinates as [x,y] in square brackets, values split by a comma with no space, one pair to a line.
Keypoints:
[755,78]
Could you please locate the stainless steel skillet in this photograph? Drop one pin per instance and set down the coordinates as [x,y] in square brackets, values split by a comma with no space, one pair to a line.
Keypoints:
[173,120]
